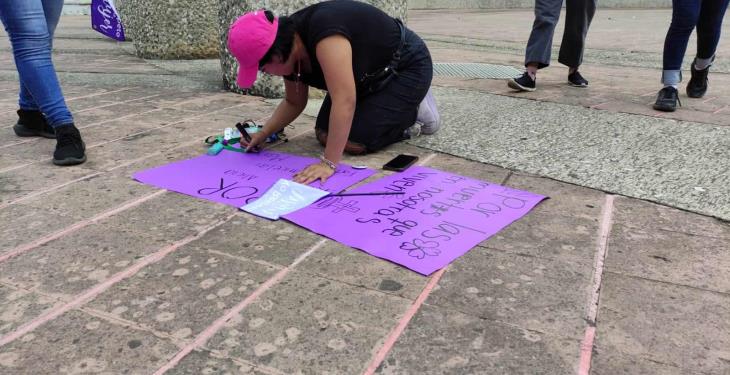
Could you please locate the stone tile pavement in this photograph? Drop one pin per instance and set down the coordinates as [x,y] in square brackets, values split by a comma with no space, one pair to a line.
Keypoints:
[101,274]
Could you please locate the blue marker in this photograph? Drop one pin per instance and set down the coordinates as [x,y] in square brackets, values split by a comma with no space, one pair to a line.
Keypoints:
[215,149]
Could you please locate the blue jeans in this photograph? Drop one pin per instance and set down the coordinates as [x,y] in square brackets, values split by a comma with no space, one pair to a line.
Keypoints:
[706,16]
[30,25]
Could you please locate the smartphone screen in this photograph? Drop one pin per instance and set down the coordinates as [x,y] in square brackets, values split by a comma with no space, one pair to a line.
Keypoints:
[400,163]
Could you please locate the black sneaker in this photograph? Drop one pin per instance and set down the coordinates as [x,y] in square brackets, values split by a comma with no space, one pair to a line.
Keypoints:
[33,124]
[697,85]
[667,99]
[524,83]
[577,80]
[69,147]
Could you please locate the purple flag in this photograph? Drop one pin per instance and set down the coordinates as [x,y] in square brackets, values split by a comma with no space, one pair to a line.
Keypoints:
[440,217]
[236,179]
[105,19]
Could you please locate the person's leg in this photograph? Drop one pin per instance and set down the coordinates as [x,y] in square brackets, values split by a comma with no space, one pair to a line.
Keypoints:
[709,26]
[26,23]
[539,45]
[685,14]
[323,117]
[52,11]
[31,122]
[390,115]
[382,118]
[321,129]
[578,17]
[428,115]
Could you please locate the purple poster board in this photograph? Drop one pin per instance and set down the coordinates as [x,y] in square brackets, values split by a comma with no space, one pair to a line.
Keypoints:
[236,179]
[440,217]
[105,19]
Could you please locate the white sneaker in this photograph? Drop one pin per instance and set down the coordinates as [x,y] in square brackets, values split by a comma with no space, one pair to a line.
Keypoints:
[428,114]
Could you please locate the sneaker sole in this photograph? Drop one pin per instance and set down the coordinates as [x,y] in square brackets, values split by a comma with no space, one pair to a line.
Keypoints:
[22,131]
[70,161]
[664,109]
[577,85]
[516,86]
[430,130]
[693,96]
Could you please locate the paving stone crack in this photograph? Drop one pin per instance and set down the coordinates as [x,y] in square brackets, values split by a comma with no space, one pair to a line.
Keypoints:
[88,295]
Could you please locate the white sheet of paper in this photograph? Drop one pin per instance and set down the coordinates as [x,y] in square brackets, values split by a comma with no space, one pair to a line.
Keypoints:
[284,197]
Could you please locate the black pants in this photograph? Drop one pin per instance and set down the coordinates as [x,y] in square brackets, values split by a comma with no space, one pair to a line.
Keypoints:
[381,117]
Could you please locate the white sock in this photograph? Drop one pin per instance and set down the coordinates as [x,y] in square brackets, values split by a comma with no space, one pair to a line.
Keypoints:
[532,71]
[702,64]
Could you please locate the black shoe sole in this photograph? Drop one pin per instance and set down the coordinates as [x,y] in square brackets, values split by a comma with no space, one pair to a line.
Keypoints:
[516,86]
[696,96]
[577,85]
[70,161]
[664,109]
[22,131]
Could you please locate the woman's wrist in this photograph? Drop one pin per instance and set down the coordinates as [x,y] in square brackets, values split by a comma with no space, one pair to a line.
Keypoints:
[328,163]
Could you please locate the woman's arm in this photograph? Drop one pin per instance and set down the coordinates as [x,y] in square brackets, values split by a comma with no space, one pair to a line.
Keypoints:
[288,110]
[334,54]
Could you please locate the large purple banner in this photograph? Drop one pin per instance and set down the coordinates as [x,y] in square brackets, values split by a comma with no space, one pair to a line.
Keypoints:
[236,179]
[440,217]
[105,19]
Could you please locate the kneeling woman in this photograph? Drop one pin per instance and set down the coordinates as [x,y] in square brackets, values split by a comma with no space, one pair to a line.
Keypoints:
[376,73]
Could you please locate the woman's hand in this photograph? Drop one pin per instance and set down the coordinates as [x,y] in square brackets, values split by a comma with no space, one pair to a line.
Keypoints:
[314,172]
[258,140]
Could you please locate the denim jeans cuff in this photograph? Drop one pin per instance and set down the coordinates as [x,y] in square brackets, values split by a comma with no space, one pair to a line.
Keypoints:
[27,104]
[671,77]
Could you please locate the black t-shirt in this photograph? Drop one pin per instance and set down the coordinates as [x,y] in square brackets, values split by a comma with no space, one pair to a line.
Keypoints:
[373,35]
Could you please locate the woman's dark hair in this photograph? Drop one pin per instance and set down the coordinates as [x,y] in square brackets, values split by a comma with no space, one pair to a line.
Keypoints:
[283,42]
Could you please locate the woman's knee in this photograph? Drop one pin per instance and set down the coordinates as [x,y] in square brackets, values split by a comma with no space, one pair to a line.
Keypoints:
[547,15]
[30,39]
[684,20]
[544,21]
[32,48]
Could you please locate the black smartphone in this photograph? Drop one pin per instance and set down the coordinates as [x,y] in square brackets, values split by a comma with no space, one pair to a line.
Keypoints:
[400,163]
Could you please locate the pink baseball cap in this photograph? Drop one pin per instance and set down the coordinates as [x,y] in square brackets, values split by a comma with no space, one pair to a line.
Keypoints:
[249,38]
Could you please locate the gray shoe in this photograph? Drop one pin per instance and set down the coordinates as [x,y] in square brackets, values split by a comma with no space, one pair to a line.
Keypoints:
[428,114]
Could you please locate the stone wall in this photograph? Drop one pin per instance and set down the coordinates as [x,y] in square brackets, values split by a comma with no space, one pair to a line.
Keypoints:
[172,29]
[76,7]
[269,86]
